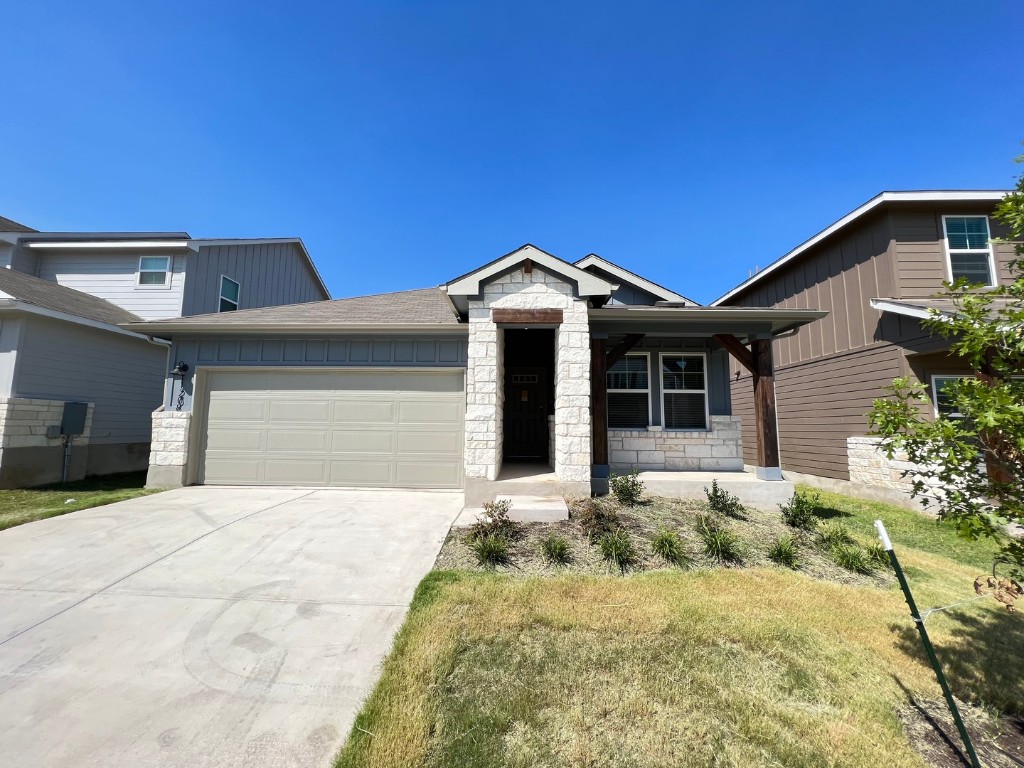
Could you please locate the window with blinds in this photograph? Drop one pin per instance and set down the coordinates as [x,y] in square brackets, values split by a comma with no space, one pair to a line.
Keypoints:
[969,248]
[684,391]
[629,393]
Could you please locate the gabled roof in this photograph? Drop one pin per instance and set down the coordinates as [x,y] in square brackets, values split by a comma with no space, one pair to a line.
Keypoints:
[422,309]
[924,196]
[58,298]
[593,260]
[923,309]
[587,283]
[9,225]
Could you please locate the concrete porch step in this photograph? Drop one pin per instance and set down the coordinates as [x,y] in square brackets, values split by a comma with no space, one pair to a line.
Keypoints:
[525,509]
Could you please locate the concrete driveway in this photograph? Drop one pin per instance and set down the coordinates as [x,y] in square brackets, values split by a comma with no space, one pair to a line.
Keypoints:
[205,626]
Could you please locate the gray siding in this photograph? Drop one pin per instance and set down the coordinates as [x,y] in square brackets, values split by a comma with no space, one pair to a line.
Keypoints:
[23,260]
[114,277]
[268,274]
[11,328]
[921,252]
[340,351]
[121,375]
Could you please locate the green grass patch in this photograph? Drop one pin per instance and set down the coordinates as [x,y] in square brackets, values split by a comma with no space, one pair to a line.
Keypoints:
[29,504]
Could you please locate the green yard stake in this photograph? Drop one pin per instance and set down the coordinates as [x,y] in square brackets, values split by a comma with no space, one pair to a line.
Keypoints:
[926,641]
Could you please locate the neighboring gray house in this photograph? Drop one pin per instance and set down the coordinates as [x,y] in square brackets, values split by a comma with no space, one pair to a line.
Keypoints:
[63,296]
[528,367]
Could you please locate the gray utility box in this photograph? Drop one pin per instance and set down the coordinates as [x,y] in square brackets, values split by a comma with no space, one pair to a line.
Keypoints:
[73,420]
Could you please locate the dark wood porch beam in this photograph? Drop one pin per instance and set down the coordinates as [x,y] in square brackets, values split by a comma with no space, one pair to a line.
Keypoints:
[765,414]
[619,351]
[735,348]
[599,400]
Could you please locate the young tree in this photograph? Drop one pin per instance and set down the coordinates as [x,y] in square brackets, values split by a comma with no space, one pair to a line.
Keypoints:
[971,463]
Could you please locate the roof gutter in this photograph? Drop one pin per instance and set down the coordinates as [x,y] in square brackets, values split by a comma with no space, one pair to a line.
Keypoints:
[156,327]
[14,305]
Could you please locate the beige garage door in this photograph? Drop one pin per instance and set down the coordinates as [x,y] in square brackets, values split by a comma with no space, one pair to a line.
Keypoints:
[397,429]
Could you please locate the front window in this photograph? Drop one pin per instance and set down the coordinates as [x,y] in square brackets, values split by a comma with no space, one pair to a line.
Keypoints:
[228,294]
[684,391]
[941,398]
[154,270]
[969,248]
[629,393]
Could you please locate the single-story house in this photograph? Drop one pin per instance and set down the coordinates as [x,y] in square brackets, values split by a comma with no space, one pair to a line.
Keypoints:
[526,365]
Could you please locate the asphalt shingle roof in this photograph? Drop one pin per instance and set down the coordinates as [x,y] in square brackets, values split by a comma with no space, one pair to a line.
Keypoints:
[9,225]
[425,306]
[48,295]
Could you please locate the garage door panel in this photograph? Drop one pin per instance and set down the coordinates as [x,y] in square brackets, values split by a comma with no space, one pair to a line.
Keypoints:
[298,471]
[431,443]
[365,441]
[296,441]
[380,428]
[288,410]
[360,411]
[362,473]
[236,439]
[235,410]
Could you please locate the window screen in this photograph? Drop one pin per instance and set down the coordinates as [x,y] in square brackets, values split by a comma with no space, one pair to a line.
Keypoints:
[684,391]
[629,393]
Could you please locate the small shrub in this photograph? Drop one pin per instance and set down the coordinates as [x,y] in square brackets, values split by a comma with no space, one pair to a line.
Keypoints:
[877,555]
[627,489]
[555,549]
[668,545]
[495,522]
[799,511]
[490,549]
[617,548]
[784,552]
[723,502]
[836,535]
[596,519]
[719,544]
[852,558]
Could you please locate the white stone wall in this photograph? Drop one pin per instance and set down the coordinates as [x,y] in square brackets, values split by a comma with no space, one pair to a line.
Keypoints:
[24,421]
[485,374]
[717,449]
[170,438]
[870,466]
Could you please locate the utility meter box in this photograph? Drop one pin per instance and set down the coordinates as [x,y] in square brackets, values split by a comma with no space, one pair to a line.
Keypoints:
[73,420]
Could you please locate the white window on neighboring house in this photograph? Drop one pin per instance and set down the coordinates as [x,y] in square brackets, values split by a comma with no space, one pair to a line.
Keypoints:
[629,393]
[154,270]
[228,294]
[684,391]
[969,249]
[941,399]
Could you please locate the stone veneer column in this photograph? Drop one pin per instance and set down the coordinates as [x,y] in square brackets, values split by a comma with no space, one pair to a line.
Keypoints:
[485,374]
[168,453]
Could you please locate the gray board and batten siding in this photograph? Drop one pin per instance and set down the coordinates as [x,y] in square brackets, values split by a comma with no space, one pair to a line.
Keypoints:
[831,371]
[342,351]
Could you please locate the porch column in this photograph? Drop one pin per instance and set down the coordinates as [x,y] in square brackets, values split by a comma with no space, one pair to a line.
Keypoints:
[765,415]
[599,413]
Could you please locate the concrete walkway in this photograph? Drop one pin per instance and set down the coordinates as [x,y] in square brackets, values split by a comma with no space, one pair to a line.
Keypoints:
[205,626]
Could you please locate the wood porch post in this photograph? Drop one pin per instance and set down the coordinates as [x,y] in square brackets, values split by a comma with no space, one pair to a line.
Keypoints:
[599,401]
[765,415]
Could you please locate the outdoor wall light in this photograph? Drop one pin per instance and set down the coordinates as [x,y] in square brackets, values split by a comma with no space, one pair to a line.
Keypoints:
[179,372]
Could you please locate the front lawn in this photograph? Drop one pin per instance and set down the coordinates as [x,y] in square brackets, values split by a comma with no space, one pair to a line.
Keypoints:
[28,504]
[753,664]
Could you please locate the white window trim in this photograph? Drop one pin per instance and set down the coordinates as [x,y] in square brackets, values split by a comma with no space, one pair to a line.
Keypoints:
[935,389]
[220,293]
[950,251]
[650,409]
[167,273]
[707,400]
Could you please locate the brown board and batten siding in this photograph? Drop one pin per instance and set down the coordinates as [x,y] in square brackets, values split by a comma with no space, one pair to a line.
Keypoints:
[268,273]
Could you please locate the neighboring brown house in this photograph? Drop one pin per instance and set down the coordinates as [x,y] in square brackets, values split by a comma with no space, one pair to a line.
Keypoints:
[876,271]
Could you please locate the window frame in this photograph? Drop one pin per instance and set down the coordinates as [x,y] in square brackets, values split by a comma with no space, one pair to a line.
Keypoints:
[221,297]
[665,392]
[935,391]
[166,272]
[609,391]
[950,252]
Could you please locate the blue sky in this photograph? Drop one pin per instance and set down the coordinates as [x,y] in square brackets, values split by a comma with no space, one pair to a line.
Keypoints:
[407,142]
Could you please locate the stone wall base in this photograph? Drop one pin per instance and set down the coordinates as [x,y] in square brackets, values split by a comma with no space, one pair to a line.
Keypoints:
[857,490]
[166,476]
[715,450]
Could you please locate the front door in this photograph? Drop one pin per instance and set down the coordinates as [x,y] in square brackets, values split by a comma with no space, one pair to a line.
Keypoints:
[526,414]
